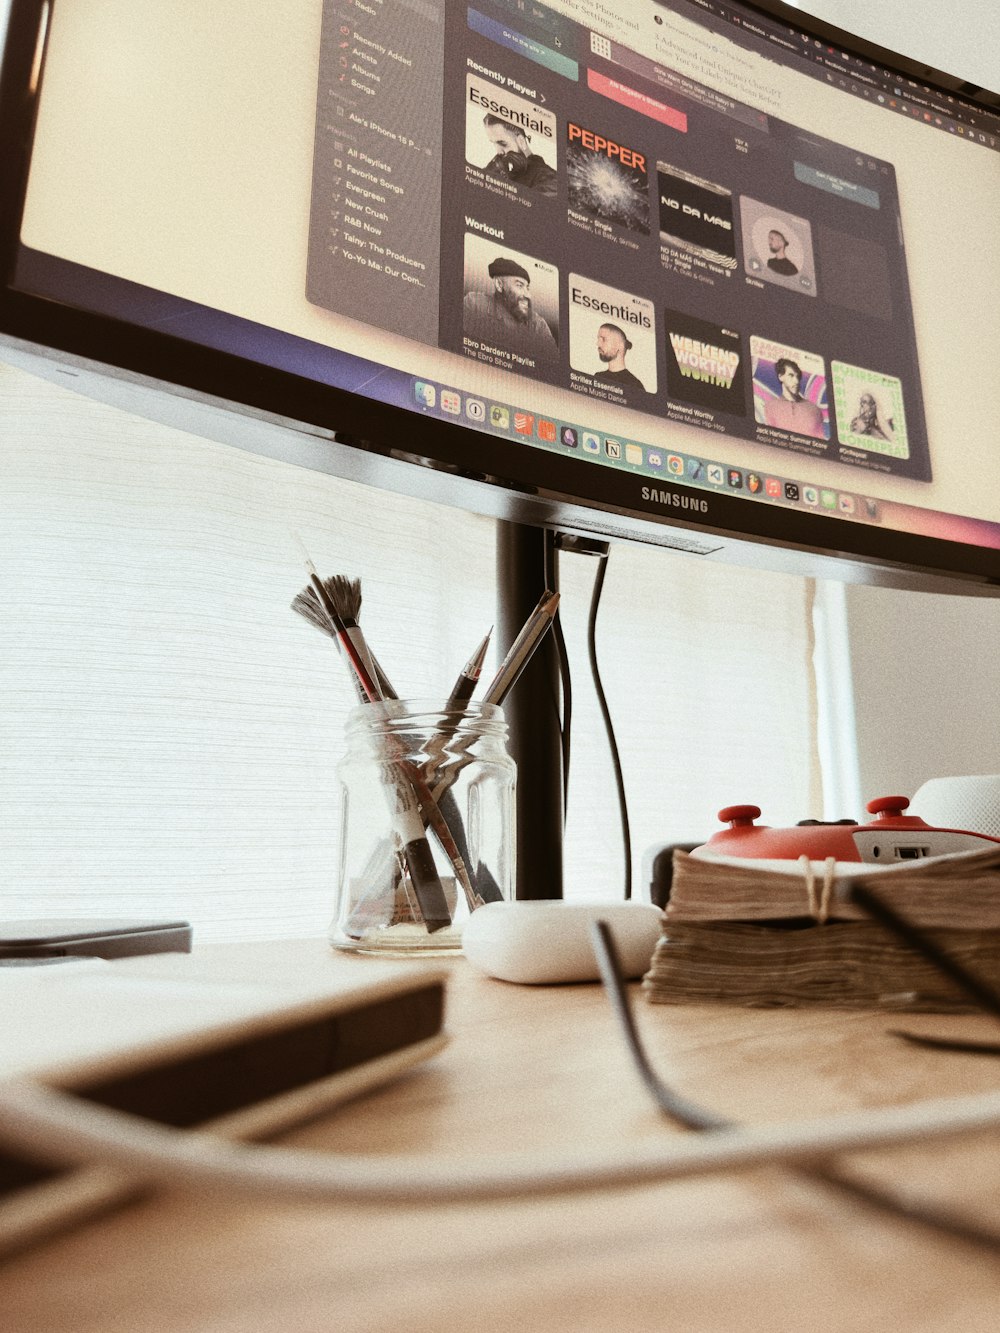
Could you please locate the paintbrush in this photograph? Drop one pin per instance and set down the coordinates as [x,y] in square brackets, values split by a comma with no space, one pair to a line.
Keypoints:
[360,662]
[333,605]
[345,594]
[441,813]
[518,655]
[407,806]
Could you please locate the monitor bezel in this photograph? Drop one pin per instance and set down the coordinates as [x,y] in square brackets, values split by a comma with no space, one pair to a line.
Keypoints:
[317,425]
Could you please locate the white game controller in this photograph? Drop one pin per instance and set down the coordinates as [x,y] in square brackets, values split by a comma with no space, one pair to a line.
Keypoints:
[538,943]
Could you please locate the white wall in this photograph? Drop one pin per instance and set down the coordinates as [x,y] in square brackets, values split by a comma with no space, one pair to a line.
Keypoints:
[171,731]
[963,39]
[924,670]
[925,674]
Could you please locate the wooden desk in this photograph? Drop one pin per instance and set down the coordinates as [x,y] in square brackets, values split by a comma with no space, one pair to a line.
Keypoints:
[546,1068]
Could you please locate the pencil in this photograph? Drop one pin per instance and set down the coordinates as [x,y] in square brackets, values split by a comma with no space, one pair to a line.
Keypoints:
[531,635]
[465,685]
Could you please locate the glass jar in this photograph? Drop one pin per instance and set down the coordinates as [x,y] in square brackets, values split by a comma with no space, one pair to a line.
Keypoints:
[427,825]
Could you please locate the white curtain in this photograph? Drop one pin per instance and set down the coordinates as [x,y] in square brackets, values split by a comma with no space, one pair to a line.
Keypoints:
[171,730]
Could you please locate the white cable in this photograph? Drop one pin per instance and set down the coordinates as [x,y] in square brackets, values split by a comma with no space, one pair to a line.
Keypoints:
[55,1127]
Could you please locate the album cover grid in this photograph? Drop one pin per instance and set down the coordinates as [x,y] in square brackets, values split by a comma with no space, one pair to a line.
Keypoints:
[626,347]
[620,347]
[645,248]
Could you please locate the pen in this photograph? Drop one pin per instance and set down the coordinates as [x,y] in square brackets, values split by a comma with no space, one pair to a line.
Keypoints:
[517,658]
[484,886]
[531,635]
[465,685]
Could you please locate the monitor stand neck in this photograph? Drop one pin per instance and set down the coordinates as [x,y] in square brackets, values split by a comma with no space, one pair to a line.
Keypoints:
[527,564]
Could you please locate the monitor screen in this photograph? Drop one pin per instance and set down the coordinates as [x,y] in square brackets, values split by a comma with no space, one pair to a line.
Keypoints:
[686,271]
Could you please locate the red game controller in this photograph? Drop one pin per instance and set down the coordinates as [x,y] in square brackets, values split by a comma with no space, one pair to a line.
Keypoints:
[891,836]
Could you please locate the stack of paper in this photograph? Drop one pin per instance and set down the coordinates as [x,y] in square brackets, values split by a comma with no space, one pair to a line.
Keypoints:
[786,933]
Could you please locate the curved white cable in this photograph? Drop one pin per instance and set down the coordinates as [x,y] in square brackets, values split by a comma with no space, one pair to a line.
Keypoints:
[56,1127]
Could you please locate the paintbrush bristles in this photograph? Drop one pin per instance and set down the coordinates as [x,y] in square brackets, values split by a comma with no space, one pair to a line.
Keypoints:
[307,604]
[344,593]
[345,597]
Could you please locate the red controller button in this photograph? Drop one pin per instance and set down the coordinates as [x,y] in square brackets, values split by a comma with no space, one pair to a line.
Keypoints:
[888,812]
[739,816]
[887,807]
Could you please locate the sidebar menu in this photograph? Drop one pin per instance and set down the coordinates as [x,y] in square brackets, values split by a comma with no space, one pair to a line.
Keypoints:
[374,228]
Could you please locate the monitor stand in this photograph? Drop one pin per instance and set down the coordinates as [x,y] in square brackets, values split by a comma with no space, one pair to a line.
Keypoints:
[527,564]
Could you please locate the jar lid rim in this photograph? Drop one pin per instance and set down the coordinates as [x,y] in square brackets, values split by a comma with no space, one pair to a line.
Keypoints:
[399,710]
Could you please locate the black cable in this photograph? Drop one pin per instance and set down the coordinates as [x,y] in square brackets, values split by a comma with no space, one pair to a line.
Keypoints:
[692,1116]
[566,683]
[595,600]
[980,991]
[671,1103]
[551,562]
[984,995]
[964,1047]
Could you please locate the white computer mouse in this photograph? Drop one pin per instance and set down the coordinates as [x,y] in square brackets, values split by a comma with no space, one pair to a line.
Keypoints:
[538,943]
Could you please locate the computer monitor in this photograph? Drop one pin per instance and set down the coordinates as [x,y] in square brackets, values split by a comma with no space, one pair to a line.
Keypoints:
[695,273]
[699,274]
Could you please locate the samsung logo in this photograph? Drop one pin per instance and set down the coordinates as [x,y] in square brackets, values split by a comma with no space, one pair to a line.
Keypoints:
[675,499]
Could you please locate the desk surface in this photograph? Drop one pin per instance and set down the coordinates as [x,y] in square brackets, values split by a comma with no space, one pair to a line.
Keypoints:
[545,1068]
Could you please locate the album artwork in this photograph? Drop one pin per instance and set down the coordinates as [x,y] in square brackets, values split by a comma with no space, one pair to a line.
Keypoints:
[509,138]
[869,411]
[696,215]
[789,389]
[510,311]
[777,246]
[705,364]
[607,179]
[612,341]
